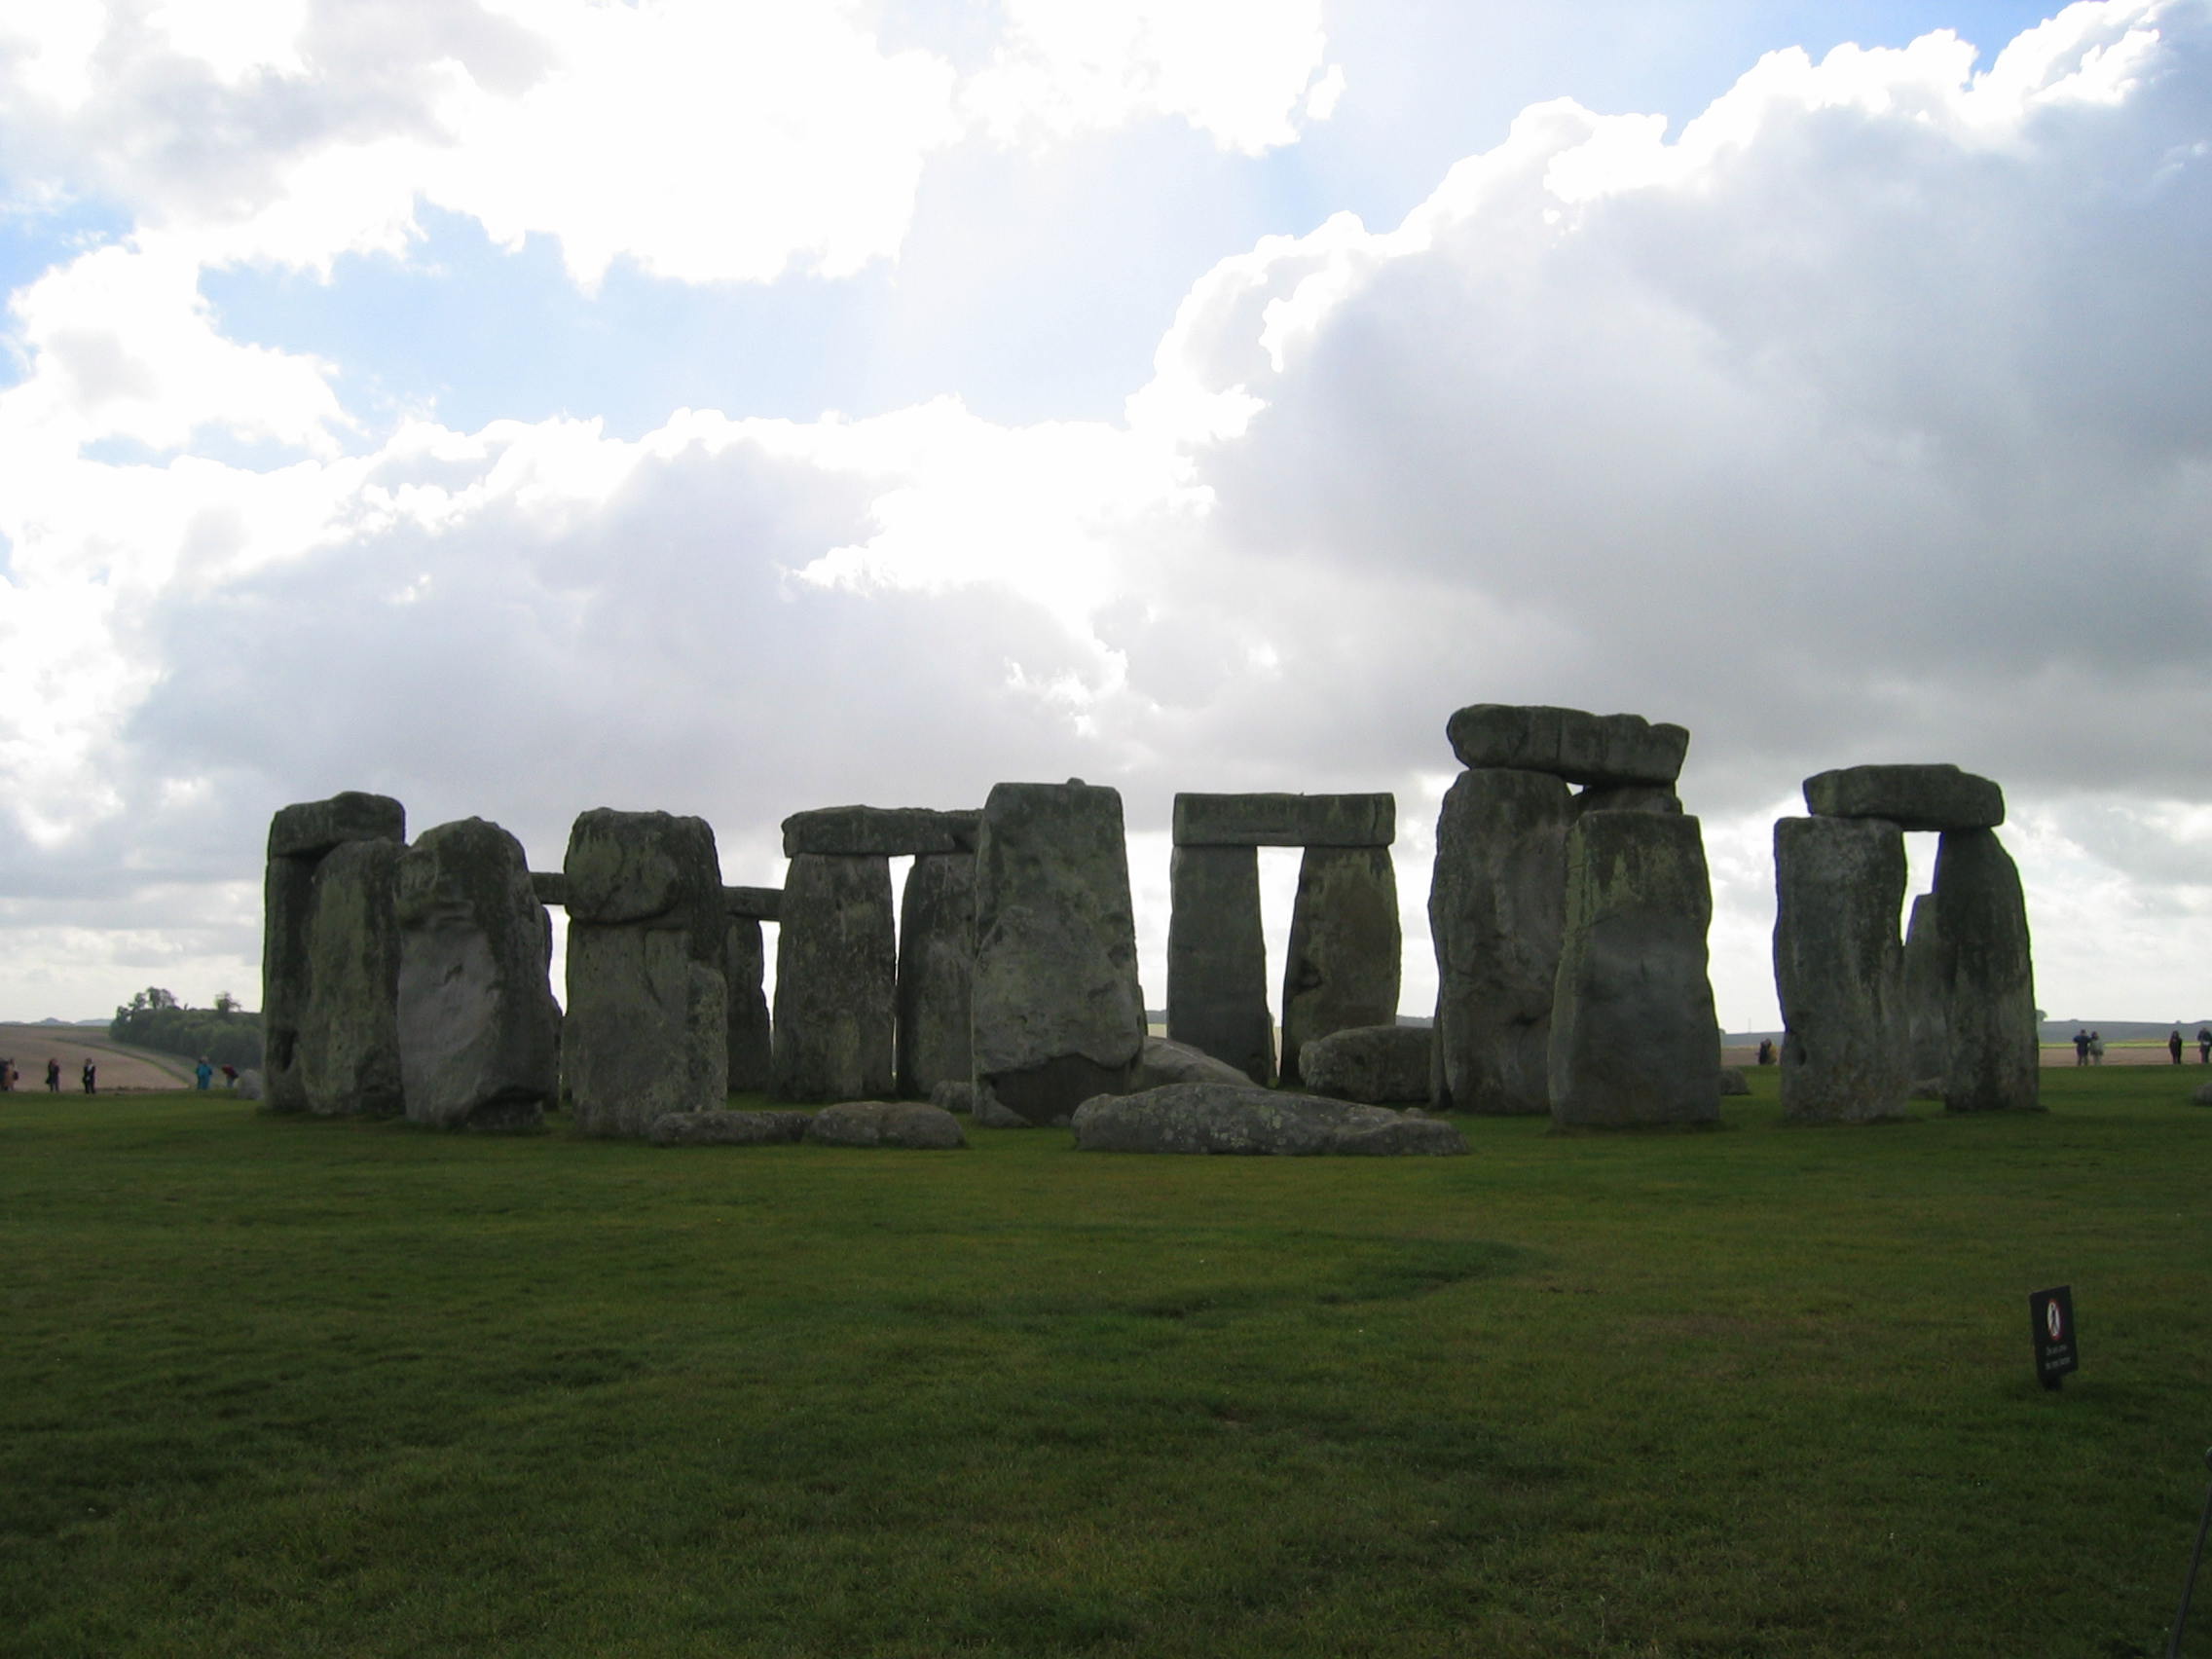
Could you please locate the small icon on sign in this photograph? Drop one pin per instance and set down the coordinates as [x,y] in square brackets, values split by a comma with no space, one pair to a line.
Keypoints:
[2053,1320]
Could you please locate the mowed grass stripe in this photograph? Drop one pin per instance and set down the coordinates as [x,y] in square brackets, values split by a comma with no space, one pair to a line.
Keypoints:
[283,1386]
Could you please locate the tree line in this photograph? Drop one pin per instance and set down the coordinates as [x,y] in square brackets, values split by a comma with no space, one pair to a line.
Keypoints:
[227,1034]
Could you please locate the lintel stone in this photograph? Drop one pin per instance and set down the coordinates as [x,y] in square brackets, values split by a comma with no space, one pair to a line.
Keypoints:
[754,903]
[1912,798]
[1285,820]
[1599,750]
[549,887]
[879,831]
[313,828]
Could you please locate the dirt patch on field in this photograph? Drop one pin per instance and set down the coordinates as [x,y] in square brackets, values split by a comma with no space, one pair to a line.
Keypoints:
[115,1069]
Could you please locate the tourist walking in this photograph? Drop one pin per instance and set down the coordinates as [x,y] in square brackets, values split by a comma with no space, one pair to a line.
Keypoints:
[2173,1045]
[202,1074]
[2080,1044]
[54,1076]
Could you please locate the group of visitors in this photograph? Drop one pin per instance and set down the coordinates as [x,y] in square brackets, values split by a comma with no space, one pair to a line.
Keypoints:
[10,1077]
[204,1074]
[2203,1045]
[2089,1047]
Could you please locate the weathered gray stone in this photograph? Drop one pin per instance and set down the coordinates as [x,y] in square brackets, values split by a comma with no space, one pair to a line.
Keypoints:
[478,1027]
[1345,952]
[251,1086]
[646,1031]
[936,967]
[955,1094]
[1166,1062]
[300,837]
[1629,797]
[1981,937]
[1912,798]
[1497,912]
[2201,1096]
[836,980]
[1840,969]
[1380,1065]
[1059,1014]
[745,967]
[348,1040]
[310,829]
[1634,1042]
[1285,820]
[879,831]
[728,1129]
[754,903]
[1600,750]
[1224,1119]
[879,1122]
[1928,1042]
[645,866]
[1217,958]
[549,887]
[987,1114]
[1733,1080]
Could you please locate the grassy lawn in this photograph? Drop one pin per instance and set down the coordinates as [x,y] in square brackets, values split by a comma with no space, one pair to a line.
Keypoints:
[295,1387]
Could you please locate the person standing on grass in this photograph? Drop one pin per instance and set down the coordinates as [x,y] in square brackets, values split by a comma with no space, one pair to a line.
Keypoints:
[2204,1045]
[2173,1045]
[90,1086]
[54,1076]
[202,1074]
[2097,1047]
[2080,1044]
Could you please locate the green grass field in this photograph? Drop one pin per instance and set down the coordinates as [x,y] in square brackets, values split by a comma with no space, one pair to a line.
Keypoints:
[298,1387]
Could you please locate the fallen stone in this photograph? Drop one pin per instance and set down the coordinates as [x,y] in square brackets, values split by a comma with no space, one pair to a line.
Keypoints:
[836,981]
[879,831]
[1379,1065]
[1166,1062]
[937,970]
[987,1114]
[1840,969]
[1599,750]
[1058,1014]
[1224,1119]
[478,1027]
[1733,1080]
[2202,1094]
[348,1040]
[893,1123]
[728,1129]
[751,1038]
[1346,954]
[1634,1043]
[1989,975]
[1496,912]
[1217,959]
[754,903]
[956,1095]
[251,1086]
[1912,798]
[1285,820]
[310,829]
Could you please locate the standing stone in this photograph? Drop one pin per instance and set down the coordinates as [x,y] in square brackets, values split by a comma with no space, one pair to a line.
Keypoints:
[1927,1033]
[300,837]
[836,980]
[1839,967]
[1634,1042]
[348,1043]
[478,1027]
[1981,937]
[647,1026]
[1217,958]
[1058,1015]
[1497,912]
[745,967]
[1345,951]
[936,967]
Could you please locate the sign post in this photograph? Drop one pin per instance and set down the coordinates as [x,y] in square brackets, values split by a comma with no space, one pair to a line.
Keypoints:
[2052,1314]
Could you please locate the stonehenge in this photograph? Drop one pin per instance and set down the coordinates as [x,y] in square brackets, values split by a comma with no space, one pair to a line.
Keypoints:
[1570,924]
[330,956]
[1869,1018]
[1344,952]
[1568,908]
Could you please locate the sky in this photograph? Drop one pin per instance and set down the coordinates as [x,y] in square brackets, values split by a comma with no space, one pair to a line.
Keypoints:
[523,406]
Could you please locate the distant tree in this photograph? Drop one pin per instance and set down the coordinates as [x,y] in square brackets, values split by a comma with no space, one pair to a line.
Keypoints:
[154,1018]
[226,1005]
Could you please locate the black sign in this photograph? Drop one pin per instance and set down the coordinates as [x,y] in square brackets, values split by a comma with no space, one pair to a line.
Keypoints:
[2053,1315]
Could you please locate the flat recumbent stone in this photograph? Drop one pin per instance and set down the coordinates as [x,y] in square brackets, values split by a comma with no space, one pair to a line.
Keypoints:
[1912,798]
[1605,750]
